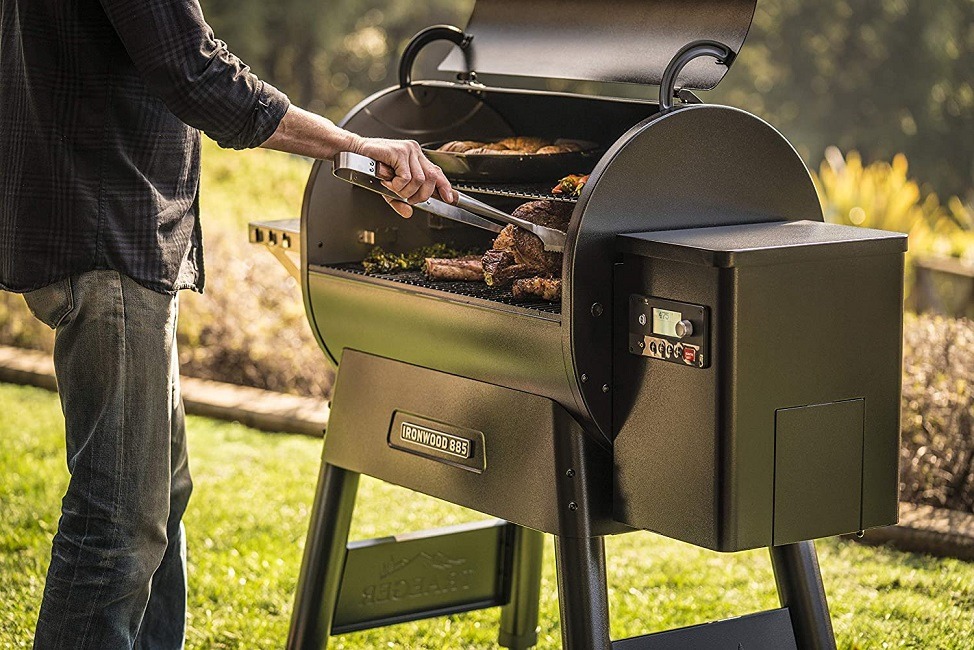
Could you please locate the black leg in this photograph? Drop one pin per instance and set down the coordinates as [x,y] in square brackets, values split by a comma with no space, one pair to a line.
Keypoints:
[519,618]
[324,559]
[800,589]
[582,593]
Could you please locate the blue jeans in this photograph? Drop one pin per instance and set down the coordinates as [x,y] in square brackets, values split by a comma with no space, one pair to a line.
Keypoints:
[117,578]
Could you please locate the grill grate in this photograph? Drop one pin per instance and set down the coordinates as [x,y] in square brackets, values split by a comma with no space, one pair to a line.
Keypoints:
[530,192]
[469,289]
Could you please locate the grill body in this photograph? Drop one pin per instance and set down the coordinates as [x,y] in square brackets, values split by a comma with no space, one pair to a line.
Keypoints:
[698,166]
[770,419]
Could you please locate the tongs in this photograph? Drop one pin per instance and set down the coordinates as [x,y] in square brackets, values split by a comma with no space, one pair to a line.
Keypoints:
[368,173]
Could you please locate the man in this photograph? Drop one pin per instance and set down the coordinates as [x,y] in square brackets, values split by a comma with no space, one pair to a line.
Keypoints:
[100,106]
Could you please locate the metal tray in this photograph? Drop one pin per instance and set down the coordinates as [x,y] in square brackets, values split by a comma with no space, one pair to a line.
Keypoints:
[521,168]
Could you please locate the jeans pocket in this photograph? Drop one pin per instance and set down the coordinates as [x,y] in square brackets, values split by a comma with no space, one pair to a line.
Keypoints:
[51,304]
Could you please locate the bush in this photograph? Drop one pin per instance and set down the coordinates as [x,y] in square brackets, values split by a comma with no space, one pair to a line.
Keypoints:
[882,195]
[18,328]
[250,326]
[937,452]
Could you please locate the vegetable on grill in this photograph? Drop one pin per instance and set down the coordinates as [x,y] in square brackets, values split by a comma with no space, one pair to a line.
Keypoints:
[570,185]
[382,262]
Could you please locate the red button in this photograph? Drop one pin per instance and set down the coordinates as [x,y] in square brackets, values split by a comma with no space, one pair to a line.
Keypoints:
[689,355]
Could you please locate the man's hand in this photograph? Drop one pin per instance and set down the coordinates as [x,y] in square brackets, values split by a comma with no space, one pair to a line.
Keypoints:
[417,179]
[311,135]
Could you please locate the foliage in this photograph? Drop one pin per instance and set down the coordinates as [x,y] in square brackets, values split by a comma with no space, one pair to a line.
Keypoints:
[18,328]
[937,452]
[327,57]
[249,513]
[250,327]
[880,76]
[882,195]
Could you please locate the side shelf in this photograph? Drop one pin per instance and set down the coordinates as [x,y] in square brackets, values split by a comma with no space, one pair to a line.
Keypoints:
[280,237]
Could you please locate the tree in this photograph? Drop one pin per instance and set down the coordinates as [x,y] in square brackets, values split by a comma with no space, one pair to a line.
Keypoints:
[880,76]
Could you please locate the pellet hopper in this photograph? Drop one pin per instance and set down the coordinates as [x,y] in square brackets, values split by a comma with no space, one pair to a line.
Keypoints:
[720,366]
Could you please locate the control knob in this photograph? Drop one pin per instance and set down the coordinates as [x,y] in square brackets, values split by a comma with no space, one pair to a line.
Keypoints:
[683,329]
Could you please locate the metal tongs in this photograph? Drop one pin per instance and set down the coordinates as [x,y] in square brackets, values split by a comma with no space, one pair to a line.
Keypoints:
[368,173]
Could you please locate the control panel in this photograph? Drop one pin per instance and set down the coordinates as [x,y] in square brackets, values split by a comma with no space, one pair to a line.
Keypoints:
[671,331]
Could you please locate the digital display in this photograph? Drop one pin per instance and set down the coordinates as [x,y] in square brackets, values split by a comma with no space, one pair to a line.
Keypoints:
[664,322]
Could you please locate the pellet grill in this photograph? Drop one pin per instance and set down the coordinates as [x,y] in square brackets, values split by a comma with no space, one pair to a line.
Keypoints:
[723,368]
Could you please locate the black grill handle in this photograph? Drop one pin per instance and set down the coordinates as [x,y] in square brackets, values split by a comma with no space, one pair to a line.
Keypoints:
[429,35]
[667,89]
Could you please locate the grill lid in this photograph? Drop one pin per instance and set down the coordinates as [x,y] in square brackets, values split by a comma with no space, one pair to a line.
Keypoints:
[629,41]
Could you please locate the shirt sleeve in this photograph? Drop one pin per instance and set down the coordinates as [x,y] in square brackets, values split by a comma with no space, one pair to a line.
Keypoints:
[194,73]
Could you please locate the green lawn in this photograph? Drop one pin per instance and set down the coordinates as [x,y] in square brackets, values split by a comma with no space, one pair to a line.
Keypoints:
[247,522]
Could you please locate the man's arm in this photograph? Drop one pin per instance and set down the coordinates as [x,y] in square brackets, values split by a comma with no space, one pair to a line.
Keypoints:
[311,135]
[210,89]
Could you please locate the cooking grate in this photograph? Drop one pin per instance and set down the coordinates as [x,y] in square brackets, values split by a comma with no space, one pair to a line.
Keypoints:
[469,289]
[531,192]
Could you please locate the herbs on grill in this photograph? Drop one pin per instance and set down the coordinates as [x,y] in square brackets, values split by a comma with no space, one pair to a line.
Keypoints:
[381,262]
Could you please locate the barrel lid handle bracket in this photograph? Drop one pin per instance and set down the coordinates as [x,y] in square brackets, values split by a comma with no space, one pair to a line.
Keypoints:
[667,90]
[430,35]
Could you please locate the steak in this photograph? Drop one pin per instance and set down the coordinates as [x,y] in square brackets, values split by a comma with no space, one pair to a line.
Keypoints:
[517,253]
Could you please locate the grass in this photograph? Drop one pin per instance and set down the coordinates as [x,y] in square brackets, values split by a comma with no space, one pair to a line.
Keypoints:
[249,513]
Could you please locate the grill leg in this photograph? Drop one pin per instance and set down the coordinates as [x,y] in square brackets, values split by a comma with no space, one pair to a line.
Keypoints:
[324,559]
[582,593]
[519,618]
[800,589]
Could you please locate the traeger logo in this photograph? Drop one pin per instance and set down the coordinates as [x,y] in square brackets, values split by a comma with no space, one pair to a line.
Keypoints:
[437,440]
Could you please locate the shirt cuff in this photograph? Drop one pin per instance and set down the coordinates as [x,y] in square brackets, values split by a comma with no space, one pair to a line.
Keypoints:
[269,109]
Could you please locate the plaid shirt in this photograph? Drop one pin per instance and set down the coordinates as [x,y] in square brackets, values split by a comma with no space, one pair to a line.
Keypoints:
[100,102]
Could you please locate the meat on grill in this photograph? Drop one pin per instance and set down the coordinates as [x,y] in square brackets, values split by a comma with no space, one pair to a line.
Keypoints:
[462,269]
[517,253]
[501,268]
[545,288]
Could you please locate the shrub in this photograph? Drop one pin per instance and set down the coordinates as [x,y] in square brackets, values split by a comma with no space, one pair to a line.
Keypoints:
[250,327]
[937,452]
[882,195]
[18,328]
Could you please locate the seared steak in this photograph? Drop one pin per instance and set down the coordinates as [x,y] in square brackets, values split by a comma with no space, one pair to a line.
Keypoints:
[518,253]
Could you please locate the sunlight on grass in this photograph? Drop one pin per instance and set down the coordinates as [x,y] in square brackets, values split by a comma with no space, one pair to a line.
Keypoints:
[248,517]
[237,187]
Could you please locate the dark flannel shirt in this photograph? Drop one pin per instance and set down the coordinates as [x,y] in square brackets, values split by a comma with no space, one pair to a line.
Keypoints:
[100,102]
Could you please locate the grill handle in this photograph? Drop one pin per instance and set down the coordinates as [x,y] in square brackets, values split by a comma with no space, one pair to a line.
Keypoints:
[424,38]
[667,89]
